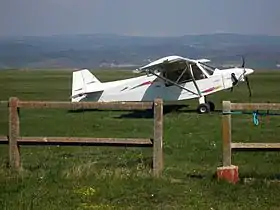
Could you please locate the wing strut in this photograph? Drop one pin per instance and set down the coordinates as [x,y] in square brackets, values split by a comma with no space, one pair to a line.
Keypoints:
[194,82]
[182,74]
[174,83]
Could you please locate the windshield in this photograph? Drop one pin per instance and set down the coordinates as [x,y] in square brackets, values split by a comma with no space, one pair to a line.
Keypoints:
[210,69]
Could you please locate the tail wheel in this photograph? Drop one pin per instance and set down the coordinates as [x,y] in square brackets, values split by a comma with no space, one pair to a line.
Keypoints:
[203,108]
[211,105]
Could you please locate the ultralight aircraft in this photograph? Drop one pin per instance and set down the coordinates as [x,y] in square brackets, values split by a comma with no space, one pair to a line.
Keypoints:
[171,78]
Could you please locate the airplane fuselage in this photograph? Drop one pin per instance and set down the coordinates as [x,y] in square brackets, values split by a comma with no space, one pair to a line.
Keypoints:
[171,78]
[149,87]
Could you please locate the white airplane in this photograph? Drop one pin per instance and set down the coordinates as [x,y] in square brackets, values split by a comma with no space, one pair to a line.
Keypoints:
[171,78]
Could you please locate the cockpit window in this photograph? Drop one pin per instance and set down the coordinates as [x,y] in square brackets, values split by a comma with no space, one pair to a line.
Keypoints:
[197,73]
[178,73]
[181,74]
[209,69]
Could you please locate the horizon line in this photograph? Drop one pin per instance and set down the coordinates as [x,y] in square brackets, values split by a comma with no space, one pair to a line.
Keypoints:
[133,35]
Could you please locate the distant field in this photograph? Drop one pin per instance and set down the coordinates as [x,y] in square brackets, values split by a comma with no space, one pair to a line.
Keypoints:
[120,178]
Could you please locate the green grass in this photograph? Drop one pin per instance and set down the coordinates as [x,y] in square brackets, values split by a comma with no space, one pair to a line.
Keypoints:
[120,178]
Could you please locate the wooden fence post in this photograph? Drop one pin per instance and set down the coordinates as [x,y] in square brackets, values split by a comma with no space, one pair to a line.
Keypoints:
[157,144]
[227,172]
[226,133]
[14,154]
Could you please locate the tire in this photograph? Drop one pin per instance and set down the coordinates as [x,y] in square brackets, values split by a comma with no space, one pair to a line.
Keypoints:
[203,108]
[211,105]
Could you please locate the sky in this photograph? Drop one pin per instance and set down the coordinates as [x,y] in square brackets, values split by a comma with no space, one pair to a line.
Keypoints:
[139,18]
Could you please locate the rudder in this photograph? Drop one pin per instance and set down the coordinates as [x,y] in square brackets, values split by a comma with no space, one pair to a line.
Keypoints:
[80,81]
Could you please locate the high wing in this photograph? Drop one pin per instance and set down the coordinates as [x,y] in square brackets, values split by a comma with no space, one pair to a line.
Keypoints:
[160,63]
[203,60]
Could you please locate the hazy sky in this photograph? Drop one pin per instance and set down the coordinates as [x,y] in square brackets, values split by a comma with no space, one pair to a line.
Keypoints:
[139,17]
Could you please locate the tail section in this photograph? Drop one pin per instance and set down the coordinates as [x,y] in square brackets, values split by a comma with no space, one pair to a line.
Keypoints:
[83,82]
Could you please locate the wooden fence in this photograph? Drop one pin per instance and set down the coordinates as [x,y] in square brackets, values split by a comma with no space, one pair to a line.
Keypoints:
[228,145]
[14,140]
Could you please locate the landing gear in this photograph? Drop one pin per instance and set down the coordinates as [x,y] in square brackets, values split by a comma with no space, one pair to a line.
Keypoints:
[203,108]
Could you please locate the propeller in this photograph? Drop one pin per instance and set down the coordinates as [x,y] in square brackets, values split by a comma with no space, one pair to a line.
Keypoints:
[246,78]
[248,85]
[243,62]
[235,80]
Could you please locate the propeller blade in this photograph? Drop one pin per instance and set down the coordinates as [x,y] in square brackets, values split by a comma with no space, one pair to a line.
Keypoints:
[248,85]
[235,80]
[243,62]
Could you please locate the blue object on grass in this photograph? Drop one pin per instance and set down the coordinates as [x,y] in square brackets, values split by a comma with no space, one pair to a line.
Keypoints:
[255,118]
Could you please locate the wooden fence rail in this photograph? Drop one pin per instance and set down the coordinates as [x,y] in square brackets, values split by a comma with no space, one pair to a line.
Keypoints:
[228,145]
[229,171]
[14,140]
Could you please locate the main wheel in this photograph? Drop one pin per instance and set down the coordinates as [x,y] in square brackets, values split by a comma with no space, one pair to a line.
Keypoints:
[203,108]
[211,105]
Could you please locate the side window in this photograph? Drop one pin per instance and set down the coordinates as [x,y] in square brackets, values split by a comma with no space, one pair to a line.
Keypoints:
[184,76]
[178,74]
[197,73]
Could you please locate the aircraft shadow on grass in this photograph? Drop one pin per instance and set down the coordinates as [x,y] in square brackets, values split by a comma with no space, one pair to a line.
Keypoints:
[148,113]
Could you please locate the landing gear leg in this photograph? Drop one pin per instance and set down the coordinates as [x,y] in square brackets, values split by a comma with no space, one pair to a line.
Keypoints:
[203,107]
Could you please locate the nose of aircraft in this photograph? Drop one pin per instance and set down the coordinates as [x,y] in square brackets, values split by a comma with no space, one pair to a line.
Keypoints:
[249,71]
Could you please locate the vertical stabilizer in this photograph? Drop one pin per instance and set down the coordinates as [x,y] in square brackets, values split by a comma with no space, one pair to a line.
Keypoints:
[81,80]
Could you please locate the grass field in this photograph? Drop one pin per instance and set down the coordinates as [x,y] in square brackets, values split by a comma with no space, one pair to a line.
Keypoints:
[120,178]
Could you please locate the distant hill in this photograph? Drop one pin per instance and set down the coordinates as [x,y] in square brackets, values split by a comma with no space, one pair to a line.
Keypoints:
[109,50]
